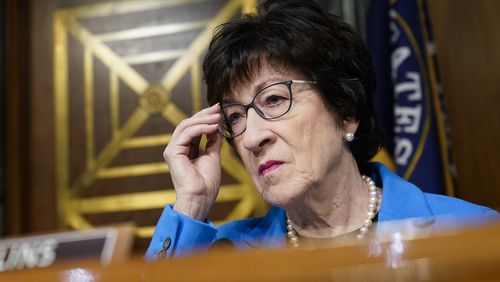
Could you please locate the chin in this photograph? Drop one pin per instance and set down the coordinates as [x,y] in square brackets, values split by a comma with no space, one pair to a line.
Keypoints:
[278,195]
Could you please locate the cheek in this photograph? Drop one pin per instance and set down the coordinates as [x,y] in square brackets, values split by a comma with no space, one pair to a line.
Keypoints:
[248,160]
[319,144]
[312,134]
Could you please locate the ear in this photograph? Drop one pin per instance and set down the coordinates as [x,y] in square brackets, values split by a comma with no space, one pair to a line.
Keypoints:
[350,125]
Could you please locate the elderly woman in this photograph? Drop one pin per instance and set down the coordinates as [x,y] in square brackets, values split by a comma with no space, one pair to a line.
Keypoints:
[291,90]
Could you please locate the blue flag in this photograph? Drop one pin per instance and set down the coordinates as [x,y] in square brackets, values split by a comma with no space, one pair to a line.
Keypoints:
[408,101]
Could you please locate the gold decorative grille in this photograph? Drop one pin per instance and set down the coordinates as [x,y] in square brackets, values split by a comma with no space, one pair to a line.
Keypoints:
[118,67]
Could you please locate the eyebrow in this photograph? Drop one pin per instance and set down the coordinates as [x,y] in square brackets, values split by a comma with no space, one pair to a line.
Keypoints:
[256,88]
[266,83]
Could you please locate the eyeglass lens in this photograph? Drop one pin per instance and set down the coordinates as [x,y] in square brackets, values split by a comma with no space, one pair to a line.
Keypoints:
[271,102]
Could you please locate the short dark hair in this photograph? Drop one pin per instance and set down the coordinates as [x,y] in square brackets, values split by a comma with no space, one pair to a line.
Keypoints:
[298,34]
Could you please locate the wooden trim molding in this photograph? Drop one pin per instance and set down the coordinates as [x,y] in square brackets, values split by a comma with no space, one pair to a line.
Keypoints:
[16,115]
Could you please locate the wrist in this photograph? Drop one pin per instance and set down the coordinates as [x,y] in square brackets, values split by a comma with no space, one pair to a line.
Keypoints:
[194,209]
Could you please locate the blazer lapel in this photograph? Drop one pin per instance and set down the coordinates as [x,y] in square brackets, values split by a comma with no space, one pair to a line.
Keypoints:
[400,198]
[270,232]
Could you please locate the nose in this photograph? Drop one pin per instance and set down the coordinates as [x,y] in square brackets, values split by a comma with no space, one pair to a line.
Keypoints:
[256,135]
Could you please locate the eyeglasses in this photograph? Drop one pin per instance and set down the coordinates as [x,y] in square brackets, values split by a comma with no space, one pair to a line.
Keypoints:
[271,102]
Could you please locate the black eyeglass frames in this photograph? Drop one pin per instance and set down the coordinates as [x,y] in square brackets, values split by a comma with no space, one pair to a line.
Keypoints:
[271,102]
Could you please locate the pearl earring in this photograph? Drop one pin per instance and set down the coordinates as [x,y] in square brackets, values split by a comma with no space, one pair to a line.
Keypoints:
[349,136]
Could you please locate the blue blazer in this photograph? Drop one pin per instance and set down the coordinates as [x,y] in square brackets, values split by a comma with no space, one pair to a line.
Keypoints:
[179,235]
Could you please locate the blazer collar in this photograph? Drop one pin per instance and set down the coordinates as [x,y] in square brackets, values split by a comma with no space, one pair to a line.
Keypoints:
[270,231]
[400,198]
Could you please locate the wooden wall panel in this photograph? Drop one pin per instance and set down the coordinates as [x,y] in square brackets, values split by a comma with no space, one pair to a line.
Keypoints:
[16,21]
[468,44]
[42,198]
[117,191]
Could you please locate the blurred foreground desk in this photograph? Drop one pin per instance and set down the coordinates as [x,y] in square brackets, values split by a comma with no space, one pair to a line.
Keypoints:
[471,254]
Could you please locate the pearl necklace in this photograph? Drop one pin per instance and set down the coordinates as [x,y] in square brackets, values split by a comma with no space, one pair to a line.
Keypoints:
[372,206]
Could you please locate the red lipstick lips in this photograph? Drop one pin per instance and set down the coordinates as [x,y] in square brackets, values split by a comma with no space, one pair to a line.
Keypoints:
[269,166]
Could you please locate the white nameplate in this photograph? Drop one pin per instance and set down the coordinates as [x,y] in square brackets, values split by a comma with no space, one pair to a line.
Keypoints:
[45,250]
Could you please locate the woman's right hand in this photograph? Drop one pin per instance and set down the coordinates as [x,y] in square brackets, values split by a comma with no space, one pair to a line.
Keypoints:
[196,177]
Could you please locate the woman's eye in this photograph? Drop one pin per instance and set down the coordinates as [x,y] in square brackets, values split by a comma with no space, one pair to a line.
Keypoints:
[234,118]
[275,100]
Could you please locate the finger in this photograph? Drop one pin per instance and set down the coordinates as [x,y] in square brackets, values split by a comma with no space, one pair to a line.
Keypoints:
[215,109]
[205,118]
[192,132]
[214,143]
[182,143]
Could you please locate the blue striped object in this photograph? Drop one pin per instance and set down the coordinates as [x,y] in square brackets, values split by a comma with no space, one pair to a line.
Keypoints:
[408,101]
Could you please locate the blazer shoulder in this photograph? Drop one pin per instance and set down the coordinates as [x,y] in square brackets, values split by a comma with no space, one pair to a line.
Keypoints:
[440,204]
